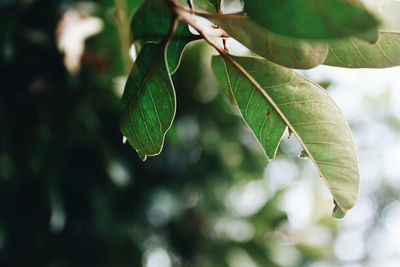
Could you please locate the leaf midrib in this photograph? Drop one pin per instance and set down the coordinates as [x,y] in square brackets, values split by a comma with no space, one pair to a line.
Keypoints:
[142,86]
[280,113]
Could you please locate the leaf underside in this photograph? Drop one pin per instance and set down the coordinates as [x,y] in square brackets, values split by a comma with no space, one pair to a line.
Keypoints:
[298,54]
[353,53]
[271,97]
[316,20]
[148,104]
[259,115]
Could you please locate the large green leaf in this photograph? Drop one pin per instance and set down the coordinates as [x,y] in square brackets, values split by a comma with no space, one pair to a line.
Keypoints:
[297,54]
[148,103]
[267,93]
[311,19]
[353,53]
[152,22]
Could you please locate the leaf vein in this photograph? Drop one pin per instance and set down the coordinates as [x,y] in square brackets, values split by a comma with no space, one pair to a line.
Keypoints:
[323,143]
[248,103]
[313,122]
[155,109]
[336,56]
[264,123]
[335,164]
[300,102]
[146,126]
[359,51]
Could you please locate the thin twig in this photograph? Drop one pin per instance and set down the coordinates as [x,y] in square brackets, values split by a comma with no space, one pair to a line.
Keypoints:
[123,32]
[219,11]
[186,15]
[190,4]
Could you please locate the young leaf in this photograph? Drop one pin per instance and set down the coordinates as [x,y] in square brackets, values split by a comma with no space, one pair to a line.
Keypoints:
[298,54]
[152,22]
[352,53]
[317,20]
[306,109]
[148,103]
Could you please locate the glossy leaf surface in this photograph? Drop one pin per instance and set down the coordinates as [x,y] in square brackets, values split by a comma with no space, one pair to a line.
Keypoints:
[317,19]
[289,53]
[267,92]
[353,53]
[148,103]
[152,22]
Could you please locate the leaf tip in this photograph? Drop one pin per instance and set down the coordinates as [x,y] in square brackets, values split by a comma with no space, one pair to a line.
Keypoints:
[269,157]
[338,212]
[141,155]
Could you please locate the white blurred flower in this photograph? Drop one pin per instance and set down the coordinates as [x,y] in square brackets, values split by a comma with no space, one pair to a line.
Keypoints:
[72,31]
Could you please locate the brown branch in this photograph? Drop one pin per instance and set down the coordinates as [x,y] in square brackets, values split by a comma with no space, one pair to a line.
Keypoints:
[187,16]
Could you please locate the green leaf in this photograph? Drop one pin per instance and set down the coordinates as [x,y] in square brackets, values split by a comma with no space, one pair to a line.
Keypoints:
[296,54]
[371,36]
[202,5]
[216,4]
[206,5]
[174,54]
[338,212]
[264,121]
[152,22]
[316,20]
[353,53]
[148,104]
[259,85]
